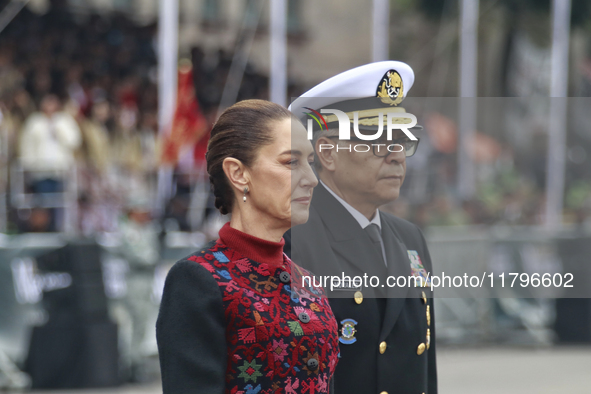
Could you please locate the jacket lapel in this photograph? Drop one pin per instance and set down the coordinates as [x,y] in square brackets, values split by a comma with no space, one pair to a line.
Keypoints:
[353,245]
[348,239]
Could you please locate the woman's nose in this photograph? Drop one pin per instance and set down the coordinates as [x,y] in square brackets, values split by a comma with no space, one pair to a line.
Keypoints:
[309,179]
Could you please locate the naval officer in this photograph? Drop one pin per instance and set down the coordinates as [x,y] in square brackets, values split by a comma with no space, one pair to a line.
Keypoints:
[387,333]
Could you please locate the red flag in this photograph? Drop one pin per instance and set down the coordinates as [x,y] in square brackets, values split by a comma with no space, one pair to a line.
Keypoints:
[189,126]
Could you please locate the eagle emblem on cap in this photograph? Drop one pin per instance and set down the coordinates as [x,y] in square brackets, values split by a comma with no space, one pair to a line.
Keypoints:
[390,89]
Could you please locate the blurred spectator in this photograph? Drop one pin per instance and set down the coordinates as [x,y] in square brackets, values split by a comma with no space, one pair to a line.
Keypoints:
[48,141]
[445,214]
[21,106]
[99,203]
[15,107]
[150,149]
[95,147]
[137,313]
[10,78]
[126,152]
[47,144]
[39,221]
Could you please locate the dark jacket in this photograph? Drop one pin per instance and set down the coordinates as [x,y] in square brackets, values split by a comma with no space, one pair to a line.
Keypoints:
[228,324]
[332,243]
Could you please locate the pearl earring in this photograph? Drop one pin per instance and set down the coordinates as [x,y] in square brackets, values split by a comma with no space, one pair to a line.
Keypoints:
[245,191]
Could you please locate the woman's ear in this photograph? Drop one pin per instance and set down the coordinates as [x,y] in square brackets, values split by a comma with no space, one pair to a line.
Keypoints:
[237,173]
[326,153]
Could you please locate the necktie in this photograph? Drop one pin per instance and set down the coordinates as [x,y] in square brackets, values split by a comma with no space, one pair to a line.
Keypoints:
[376,237]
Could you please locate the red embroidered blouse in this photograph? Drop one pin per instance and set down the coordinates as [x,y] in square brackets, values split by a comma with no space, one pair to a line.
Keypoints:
[229,322]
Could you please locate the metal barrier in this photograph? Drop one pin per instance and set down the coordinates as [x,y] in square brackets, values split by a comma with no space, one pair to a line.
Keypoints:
[455,249]
[4,142]
[20,294]
[497,315]
[22,285]
[3,208]
[510,313]
[66,200]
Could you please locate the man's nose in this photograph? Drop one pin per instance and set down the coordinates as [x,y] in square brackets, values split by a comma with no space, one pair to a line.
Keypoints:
[397,157]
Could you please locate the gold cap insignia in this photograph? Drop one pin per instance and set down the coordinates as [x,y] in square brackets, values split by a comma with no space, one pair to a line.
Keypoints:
[390,89]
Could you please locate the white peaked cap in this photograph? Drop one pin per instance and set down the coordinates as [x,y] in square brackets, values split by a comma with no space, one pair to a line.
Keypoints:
[359,82]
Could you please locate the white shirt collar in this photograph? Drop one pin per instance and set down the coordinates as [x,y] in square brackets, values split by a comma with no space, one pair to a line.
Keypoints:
[361,219]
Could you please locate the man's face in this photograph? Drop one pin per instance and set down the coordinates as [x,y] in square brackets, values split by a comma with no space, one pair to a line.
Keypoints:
[366,179]
[50,105]
[101,111]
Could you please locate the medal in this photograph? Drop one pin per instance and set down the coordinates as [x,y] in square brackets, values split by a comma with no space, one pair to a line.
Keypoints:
[348,331]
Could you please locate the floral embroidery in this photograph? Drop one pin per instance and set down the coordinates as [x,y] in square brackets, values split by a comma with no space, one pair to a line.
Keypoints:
[295,327]
[268,347]
[246,335]
[221,257]
[279,348]
[250,371]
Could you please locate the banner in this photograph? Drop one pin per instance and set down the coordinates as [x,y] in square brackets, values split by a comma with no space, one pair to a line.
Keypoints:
[189,126]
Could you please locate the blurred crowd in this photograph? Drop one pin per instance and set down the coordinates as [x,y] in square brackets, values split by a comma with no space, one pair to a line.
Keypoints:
[509,189]
[78,107]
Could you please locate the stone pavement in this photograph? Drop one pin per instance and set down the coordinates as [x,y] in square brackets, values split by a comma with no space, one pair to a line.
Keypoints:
[485,370]
[515,370]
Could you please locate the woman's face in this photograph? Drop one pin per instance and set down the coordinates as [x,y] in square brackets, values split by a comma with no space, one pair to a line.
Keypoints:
[282,179]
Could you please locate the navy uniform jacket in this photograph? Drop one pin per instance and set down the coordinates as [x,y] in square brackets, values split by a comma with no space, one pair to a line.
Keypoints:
[389,353]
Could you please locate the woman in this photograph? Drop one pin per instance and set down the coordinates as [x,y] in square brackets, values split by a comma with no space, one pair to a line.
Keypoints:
[230,321]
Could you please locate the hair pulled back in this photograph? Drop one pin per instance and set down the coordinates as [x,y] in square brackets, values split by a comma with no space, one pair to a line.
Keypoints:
[240,132]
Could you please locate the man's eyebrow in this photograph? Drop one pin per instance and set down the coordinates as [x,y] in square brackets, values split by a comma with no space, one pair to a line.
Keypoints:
[291,152]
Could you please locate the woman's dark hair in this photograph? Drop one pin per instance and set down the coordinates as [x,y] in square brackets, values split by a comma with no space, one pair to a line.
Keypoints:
[240,132]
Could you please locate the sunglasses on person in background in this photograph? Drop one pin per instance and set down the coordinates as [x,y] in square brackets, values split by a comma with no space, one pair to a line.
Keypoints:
[380,147]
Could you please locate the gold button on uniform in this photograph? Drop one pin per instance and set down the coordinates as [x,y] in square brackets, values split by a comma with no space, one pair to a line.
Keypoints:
[358,297]
[424,297]
[383,347]
[428,338]
[384,392]
[428,316]
[421,349]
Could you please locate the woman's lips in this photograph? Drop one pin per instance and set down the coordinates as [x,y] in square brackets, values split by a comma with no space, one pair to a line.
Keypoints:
[302,200]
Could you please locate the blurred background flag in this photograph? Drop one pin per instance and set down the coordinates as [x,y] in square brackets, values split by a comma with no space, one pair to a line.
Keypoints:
[189,126]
